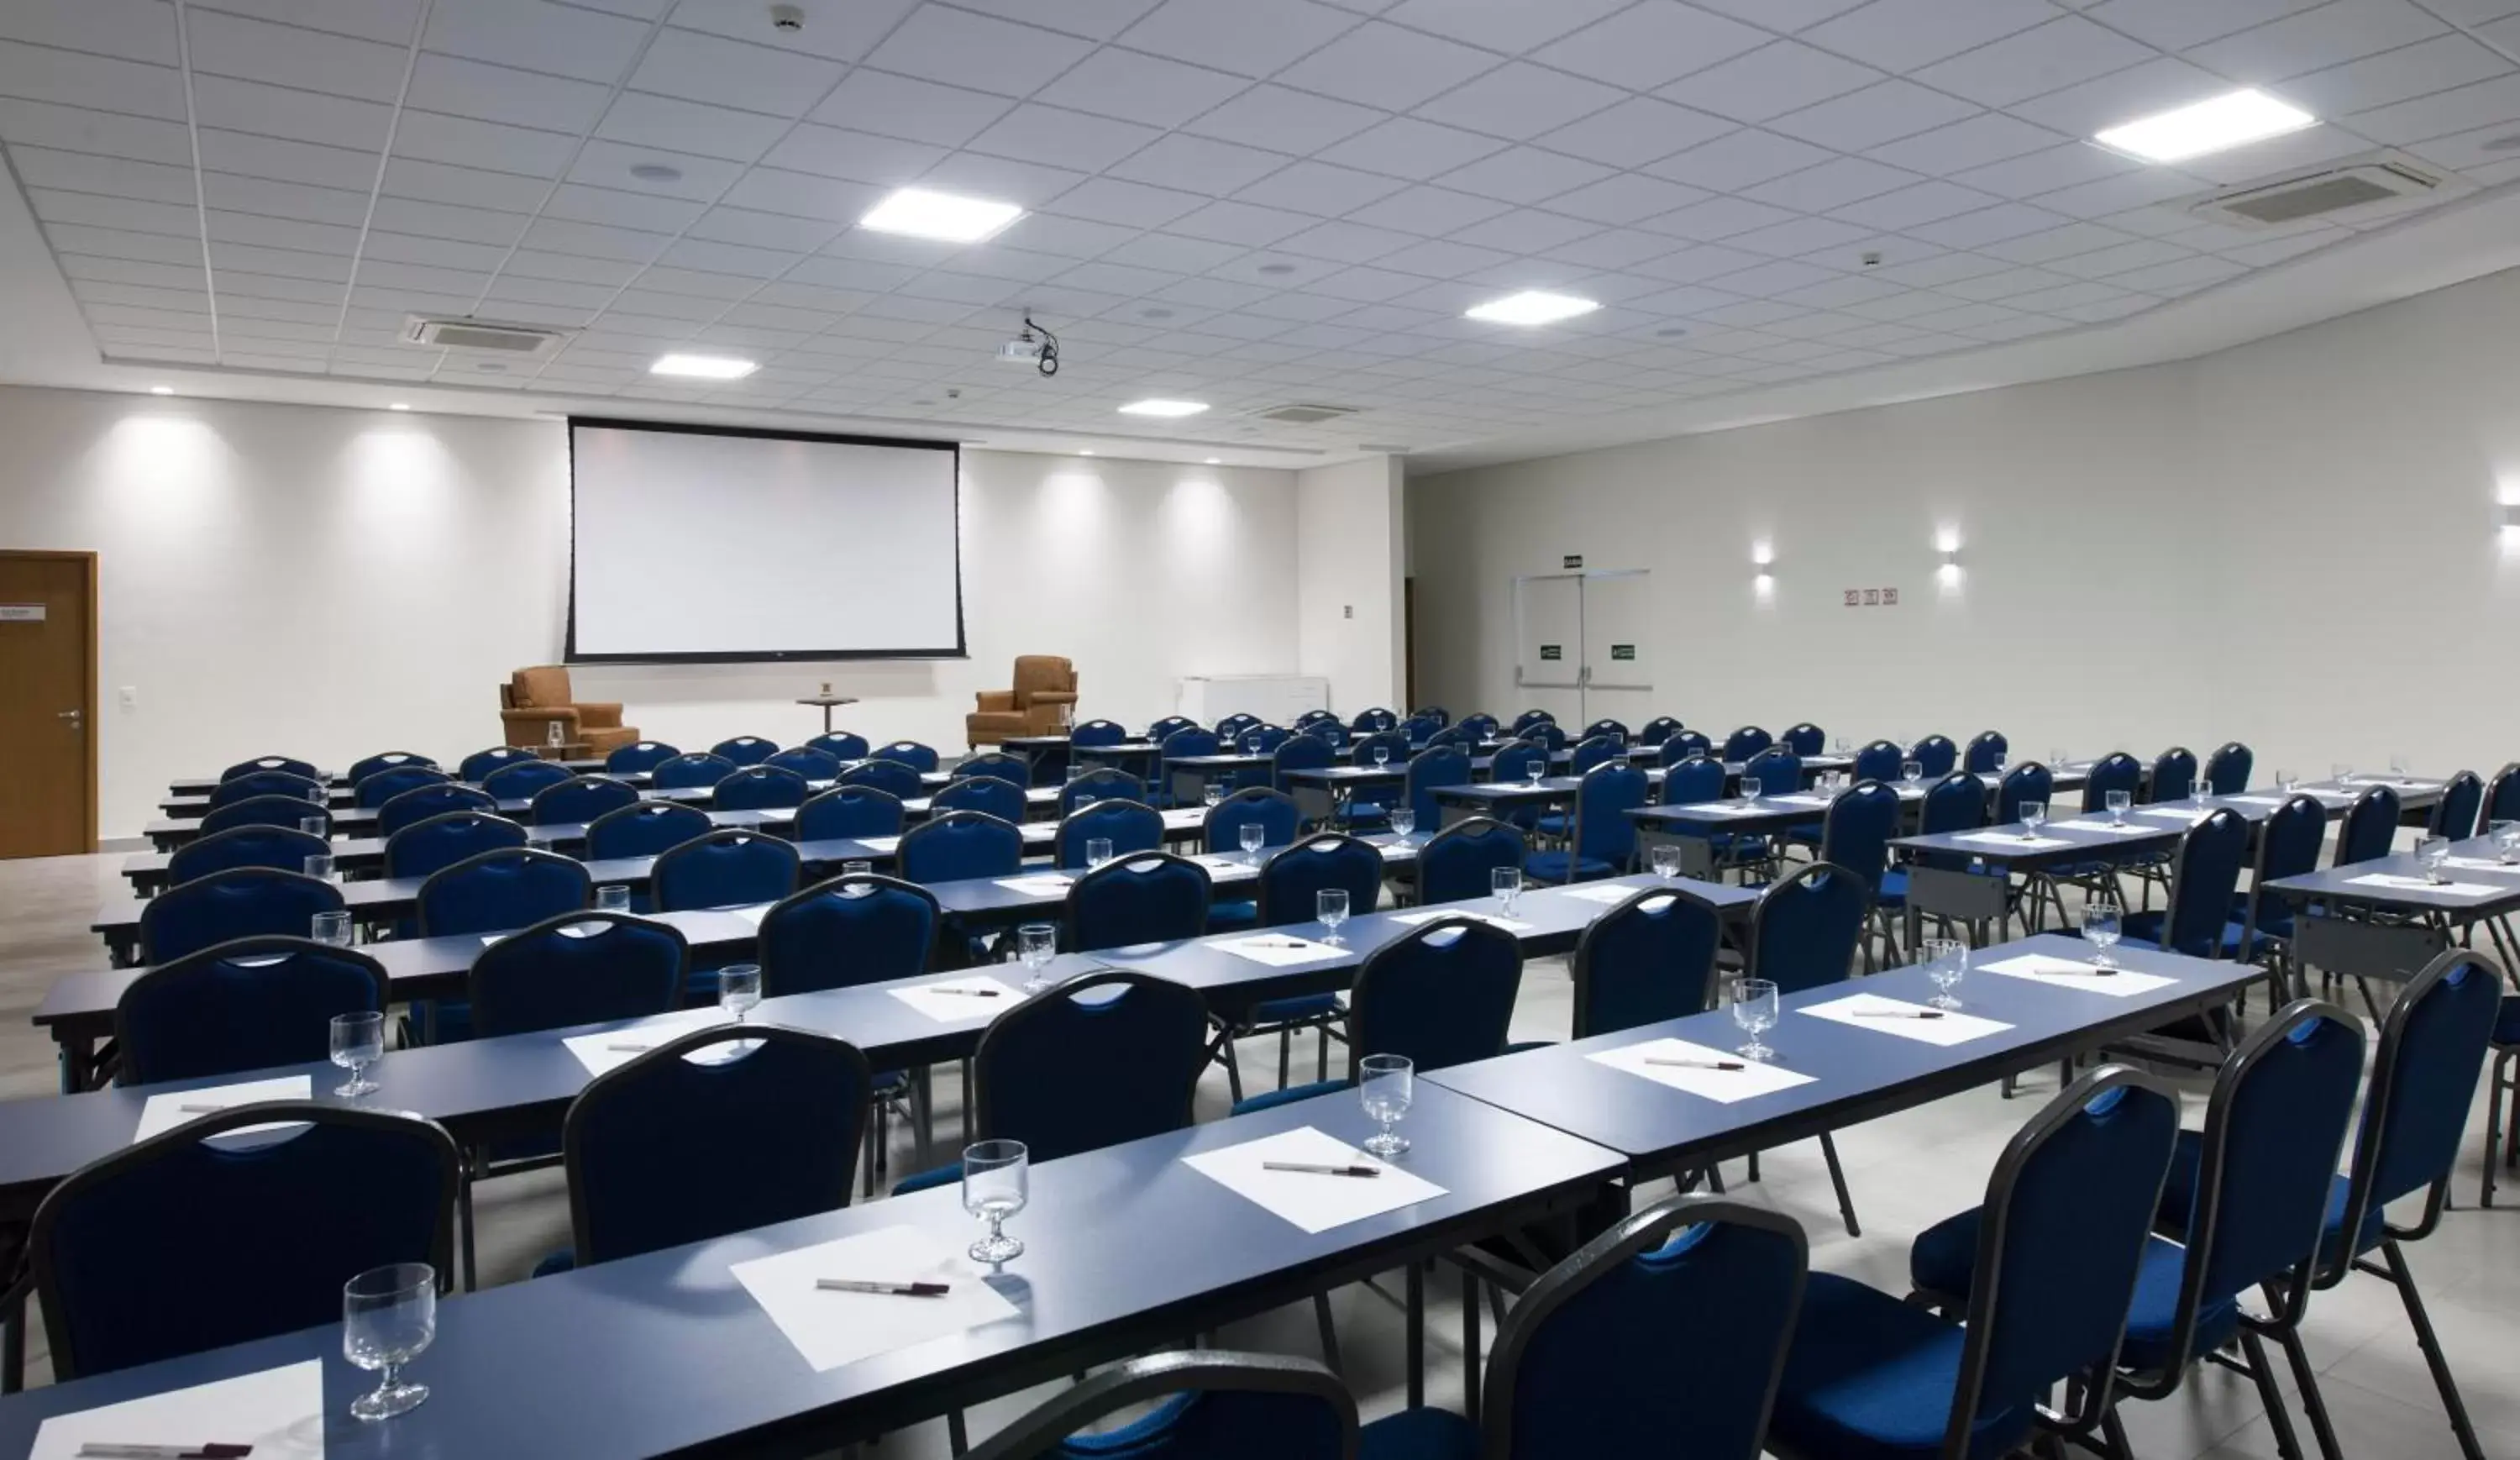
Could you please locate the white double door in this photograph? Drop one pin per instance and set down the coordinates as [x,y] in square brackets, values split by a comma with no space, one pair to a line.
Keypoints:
[1583,648]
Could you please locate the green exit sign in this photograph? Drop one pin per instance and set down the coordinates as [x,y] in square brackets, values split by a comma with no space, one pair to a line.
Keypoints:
[1550,651]
[1623,650]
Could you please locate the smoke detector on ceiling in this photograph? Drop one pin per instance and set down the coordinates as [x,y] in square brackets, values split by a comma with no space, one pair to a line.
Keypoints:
[489,337]
[1305,415]
[2352,191]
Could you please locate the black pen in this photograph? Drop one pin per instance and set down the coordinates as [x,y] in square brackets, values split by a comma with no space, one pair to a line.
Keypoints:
[1316,1168]
[885,1289]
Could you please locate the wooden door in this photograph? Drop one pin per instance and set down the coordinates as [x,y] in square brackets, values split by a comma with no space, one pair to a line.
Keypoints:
[48,713]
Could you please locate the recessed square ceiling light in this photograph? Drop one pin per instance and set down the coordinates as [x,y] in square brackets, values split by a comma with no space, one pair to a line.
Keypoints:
[1531,308]
[1165,408]
[161,389]
[940,215]
[704,367]
[2192,131]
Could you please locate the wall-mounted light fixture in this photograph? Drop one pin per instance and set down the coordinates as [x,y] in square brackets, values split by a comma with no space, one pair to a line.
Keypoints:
[2512,517]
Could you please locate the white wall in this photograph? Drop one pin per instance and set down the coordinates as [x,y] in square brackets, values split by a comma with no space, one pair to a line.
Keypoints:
[2292,543]
[330,582]
[1352,532]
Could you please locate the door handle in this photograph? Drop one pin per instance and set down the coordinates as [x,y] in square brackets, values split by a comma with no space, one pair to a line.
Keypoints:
[75,716]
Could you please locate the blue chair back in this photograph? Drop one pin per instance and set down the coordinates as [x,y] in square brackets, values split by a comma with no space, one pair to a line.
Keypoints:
[855,929]
[521,780]
[1441,994]
[240,902]
[1513,759]
[809,761]
[1548,734]
[385,785]
[1593,751]
[577,968]
[259,783]
[2205,878]
[2502,795]
[2288,845]
[1481,724]
[360,770]
[265,811]
[1856,832]
[1419,729]
[251,1003]
[1006,765]
[580,799]
[1955,803]
[1456,864]
[1328,732]
[1778,770]
[493,891]
[2227,770]
[421,802]
[2024,783]
[1105,1057]
[1274,810]
[1104,783]
[440,841]
[1603,829]
[722,1131]
[2371,826]
[256,1236]
[744,750]
[1004,799]
[638,757]
[839,745]
[1430,771]
[1530,718]
[644,830]
[847,810]
[1660,728]
[1986,752]
[1747,742]
[1648,959]
[2423,1082]
[1098,733]
[1232,726]
[1615,729]
[1803,934]
[726,868]
[1881,761]
[759,788]
[1937,754]
[1693,779]
[1394,743]
[898,778]
[1153,898]
[2455,814]
[1292,881]
[687,772]
[959,845]
[1299,753]
[1805,739]
[1271,737]
[1687,743]
[478,765]
[1435,713]
[2114,771]
[1376,720]
[1129,825]
[305,771]
[2173,774]
[918,758]
[1169,726]
[284,847]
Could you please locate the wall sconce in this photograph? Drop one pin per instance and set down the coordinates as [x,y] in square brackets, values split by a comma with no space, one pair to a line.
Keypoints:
[2510,518]
[1951,563]
[1763,556]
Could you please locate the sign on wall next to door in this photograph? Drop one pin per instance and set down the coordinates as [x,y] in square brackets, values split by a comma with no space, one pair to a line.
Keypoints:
[48,713]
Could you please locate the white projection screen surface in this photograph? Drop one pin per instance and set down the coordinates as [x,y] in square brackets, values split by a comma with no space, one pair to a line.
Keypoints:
[704,544]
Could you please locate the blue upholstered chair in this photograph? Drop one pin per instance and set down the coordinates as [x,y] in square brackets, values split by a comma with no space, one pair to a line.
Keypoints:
[185,1243]
[1747,742]
[1615,729]
[1393,743]
[959,845]
[1660,728]
[1442,994]
[1803,934]
[1150,897]
[282,847]
[580,799]
[1220,829]
[2369,827]
[1804,739]
[1547,734]
[1374,720]
[852,929]
[1290,885]
[1601,839]
[2173,774]
[287,764]
[442,842]
[2115,771]
[1855,833]
[839,745]
[1330,732]
[478,766]
[1648,959]
[2455,814]
[918,758]
[250,1003]
[2204,878]
[1683,744]
[1098,733]
[1955,803]
[1436,712]
[2068,1210]
[1936,755]
[1103,783]
[720,1130]
[1881,761]
[1986,752]
[1778,770]
[689,772]
[1129,825]
[2226,771]
[265,811]
[1671,1324]
[2502,795]
[494,891]
[239,903]
[518,781]
[368,767]
[726,868]
[421,802]
[810,761]
[2290,842]
[758,787]
[1299,753]
[1214,1406]
[1458,862]
[1513,760]
[897,778]
[1190,740]
[1479,723]
[1421,728]
[1006,765]
[849,812]
[1231,728]
[1691,780]
[393,781]
[744,750]
[2023,784]
[644,829]
[1004,799]
[1530,718]
[303,789]
[1593,751]
[577,968]
[638,757]
[1168,727]
[2262,1168]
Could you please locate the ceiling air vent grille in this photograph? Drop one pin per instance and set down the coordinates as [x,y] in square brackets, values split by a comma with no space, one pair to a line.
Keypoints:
[2366,187]
[486,336]
[1305,415]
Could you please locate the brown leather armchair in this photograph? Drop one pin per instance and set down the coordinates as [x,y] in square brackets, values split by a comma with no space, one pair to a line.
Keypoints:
[534,699]
[1044,688]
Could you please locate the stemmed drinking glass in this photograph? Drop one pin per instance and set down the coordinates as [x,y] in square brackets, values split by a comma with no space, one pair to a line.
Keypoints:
[1381,754]
[612,898]
[1097,850]
[2117,802]
[1404,820]
[2506,840]
[996,1183]
[1384,1085]
[1329,905]
[2102,918]
[739,989]
[358,1042]
[1036,943]
[2340,772]
[1507,884]
[2285,781]
[1912,771]
[2430,854]
[2398,767]
[1212,793]
[2034,815]
[388,1315]
[1536,767]
[1751,788]
[1665,857]
[1946,963]
[1754,1009]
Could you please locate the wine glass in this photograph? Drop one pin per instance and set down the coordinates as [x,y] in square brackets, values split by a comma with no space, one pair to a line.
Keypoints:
[320,867]
[612,898]
[857,867]
[1754,1009]
[316,826]
[1536,767]
[1097,850]
[1507,884]
[2285,781]
[1251,834]
[1329,906]
[1665,857]
[2034,815]
[388,1315]
[1036,943]
[1912,771]
[2117,802]
[2056,759]
[2200,790]
[1750,788]
[2340,772]
[1946,963]
[2506,840]
[2102,919]
[2430,854]
[2398,767]
[333,929]
[1404,820]
[739,989]
[1381,754]
[358,1042]
[1212,793]
[1384,1085]
[996,1181]
[1251,745]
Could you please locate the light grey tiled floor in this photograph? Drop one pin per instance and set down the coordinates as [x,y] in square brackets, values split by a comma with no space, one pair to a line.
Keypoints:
[1906,1172]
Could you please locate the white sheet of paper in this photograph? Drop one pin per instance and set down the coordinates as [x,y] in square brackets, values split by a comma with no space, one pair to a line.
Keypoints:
[831,1329]
[2484,864]
[1800,799]
[280,1412]
[2419,884]
[2014,840]
[1724,808]
[166,1112]
[1429,915]
[751,915]
[959,1008]
[1042,885]
[2069,973]
[1279,949]
[2256,800]
[608,1051]
[2116,829]
[1391,850]
[1721,1086]
[1609,893]
[1223,861]
[2188,814]
[1312,1203]
[879,843]
[1182,818]
[1954,1027]
[917,802]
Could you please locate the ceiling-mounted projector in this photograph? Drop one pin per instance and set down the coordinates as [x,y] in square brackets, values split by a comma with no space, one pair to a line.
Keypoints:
[1023,349]
[1032,346]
